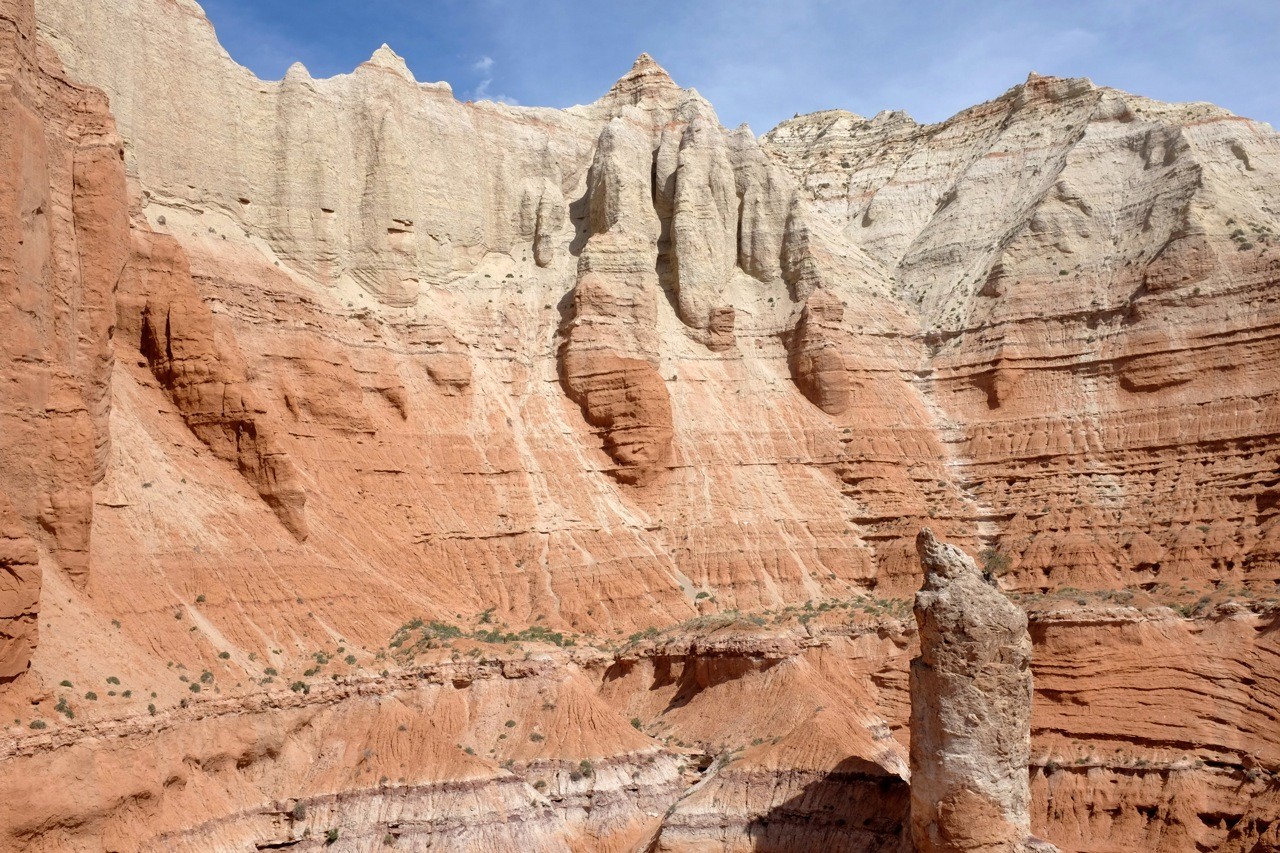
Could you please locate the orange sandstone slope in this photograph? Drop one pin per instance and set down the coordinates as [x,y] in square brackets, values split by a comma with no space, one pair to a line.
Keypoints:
[383,469]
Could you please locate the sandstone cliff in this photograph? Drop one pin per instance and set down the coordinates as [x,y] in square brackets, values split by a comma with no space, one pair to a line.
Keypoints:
[503,477]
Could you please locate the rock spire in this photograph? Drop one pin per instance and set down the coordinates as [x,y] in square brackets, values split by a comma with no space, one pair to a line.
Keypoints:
[970,711]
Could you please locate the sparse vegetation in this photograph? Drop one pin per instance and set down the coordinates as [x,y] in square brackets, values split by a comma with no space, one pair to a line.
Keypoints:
[994,563]
[417,636]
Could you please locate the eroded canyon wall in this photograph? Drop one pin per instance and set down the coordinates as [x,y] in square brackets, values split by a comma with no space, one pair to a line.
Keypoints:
[353,402]
[64,231]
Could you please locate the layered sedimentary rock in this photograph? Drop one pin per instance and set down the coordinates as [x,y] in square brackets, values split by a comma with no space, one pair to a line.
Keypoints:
[19,594]
[63,242]
[609,355]
[162,317]
[970,710]
[817,354]
[1092,270]
[407,392]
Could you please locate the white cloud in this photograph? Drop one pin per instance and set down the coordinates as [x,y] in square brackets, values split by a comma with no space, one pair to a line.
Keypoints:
[481,92]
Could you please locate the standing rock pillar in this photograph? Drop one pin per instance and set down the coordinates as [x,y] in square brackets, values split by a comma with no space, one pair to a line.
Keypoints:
[970,711]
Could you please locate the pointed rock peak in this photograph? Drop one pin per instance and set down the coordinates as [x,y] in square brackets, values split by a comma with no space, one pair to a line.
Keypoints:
[743,138]
[388,60]
[297,72]
[646,64]
[887,117]
[1041,91]
[646,81]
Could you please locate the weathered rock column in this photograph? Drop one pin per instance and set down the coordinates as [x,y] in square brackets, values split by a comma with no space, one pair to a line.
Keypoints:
[970,711]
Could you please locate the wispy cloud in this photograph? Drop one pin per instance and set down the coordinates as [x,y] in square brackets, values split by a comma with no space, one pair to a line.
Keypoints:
[763,61]
[484,65]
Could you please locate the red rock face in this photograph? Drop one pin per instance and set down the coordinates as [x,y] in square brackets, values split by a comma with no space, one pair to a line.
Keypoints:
[163,317]
[63,229]
[19,594]
[817,355]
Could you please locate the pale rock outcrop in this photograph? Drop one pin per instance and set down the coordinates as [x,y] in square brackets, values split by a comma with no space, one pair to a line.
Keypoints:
[704,226]
[970,711]
[608,357]
[766,192]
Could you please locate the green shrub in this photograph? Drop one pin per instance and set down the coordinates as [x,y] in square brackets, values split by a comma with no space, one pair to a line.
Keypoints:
[994,564]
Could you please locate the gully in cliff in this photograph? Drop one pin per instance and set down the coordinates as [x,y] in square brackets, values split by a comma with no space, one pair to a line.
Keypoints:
[970,711]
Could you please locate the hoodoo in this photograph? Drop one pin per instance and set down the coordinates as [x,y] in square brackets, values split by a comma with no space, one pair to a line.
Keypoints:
[970,711]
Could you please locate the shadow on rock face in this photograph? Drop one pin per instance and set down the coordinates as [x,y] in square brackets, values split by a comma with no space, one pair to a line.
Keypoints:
[856,808]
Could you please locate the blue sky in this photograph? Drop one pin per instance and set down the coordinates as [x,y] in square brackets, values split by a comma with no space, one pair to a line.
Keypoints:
[761,62]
